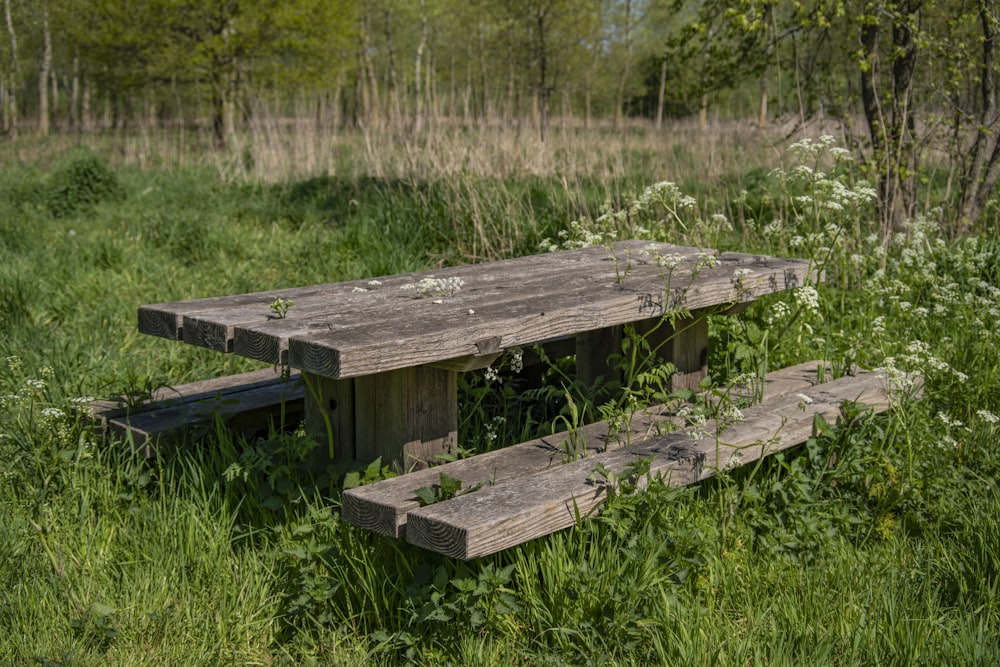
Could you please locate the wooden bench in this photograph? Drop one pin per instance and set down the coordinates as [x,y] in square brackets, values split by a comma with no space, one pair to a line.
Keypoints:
[533,489]
[247,403]
[379,361]
[379,358]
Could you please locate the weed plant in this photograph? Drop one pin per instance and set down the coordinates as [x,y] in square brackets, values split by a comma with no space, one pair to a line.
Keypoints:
[878,542]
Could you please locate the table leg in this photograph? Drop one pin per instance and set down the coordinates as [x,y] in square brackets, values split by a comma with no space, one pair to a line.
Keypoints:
[685,345]
[593,353]
[406,416]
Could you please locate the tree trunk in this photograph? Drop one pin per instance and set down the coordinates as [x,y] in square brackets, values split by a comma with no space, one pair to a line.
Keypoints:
[12,120]
[543,83]
[980,177]
[418,103]
[661,96]
[393,110]
[86,120]
[483,99]
[44,72]
[892,135]
[626,67]
[762,106]
[370,114]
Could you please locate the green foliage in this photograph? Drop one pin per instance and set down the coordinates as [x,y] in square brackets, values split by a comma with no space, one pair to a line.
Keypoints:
[234,551]
[373,472]
[446,488]
[81,182]
[78,182]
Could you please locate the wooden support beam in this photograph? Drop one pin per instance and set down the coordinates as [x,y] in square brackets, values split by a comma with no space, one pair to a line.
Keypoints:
[407,416]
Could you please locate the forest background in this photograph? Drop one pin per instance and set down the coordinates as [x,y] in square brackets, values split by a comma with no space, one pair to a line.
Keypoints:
[909,82]
[159,150]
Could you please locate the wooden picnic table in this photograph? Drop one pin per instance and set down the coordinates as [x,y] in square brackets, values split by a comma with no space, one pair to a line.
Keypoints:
[380,357]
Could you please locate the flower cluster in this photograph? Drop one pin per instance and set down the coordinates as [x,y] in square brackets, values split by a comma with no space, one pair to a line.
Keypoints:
[435,287]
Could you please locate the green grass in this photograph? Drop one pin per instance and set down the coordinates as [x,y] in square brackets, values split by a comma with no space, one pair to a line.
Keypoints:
[874,544]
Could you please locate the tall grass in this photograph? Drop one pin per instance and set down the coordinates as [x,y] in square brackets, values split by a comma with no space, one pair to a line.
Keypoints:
[877,543]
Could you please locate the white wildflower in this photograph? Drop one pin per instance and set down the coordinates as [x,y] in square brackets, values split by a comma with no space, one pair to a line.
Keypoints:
[733,415]
[772,228]
[778,312]
[987,416]
[516,359]
[53,413]
[807,298]
[706,259]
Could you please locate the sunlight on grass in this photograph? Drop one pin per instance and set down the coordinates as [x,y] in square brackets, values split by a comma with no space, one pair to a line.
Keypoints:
[875,543]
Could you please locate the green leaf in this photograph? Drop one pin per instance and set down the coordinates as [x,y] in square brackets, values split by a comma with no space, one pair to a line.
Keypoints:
[427,495]
[352,480]
[273,503]
[449,486]
[102,610]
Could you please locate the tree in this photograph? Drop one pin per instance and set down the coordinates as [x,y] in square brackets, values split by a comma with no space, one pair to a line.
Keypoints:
[218,49]
[982,170]
[13,74]
[722,41]
[887,94]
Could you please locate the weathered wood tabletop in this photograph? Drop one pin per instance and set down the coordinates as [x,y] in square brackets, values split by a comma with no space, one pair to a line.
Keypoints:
[402,338]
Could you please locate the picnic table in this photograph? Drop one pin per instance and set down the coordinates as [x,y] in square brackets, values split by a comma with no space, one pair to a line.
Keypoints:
[380,356]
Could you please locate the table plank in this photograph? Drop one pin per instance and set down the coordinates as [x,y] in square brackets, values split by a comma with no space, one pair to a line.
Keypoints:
[209,322]
[389,304]
[422,332]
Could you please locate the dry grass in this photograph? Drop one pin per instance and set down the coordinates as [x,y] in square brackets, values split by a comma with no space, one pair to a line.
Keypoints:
[272,149]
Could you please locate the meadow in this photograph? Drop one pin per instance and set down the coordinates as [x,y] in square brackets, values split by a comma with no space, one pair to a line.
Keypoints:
[877,542]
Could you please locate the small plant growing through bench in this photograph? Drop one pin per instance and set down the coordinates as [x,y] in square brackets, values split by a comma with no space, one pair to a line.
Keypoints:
[280,307]
[446,489]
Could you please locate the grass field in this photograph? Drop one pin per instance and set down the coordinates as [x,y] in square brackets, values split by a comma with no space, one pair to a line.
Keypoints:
[875,543]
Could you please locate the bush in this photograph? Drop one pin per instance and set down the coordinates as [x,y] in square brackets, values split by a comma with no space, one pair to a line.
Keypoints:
[83,181]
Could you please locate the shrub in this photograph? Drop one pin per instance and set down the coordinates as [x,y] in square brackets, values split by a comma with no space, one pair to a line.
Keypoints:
[83,181]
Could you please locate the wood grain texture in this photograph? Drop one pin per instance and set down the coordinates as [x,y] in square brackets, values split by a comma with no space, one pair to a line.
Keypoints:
[101,411]
[174,421]
[424,332]
[383,507]
[356,328]
[213,319]
[526,507]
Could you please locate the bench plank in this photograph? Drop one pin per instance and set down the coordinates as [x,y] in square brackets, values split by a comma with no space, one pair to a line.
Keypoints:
[383,507]
[244,401]
[424,332]
[518,510]
[100,411]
